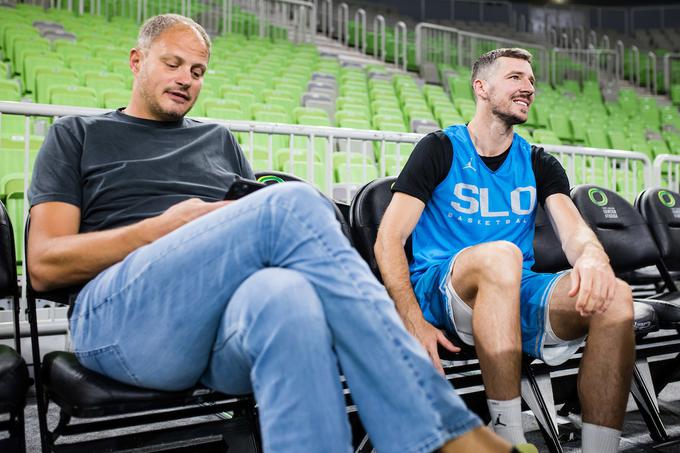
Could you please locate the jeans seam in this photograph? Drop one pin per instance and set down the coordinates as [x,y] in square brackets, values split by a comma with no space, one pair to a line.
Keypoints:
[373,306]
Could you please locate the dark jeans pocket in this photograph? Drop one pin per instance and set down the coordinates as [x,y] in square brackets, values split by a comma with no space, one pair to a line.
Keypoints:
[108,361]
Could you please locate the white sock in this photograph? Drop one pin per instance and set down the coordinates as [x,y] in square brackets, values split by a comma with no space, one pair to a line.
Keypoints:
[599,439]
[506,419]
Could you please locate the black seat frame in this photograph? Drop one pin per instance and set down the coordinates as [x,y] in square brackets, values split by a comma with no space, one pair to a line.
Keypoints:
[18,380]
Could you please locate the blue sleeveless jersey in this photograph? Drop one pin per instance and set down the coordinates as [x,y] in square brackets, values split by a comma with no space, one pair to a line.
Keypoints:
[474,205]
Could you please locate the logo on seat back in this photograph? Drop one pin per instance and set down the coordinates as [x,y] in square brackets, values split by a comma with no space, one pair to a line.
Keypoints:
[598,197]
[667,199]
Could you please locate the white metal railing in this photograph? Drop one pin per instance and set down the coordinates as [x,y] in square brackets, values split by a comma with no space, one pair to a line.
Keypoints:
[325,12]
[625,172]
[652,73]
[440,44]
[666,170]
[343,23]
[360,30]
[667,81]
[400,45]
[379,38]
[583,64]
[296,16]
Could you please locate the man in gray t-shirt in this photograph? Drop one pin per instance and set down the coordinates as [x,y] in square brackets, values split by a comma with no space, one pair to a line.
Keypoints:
[262,295]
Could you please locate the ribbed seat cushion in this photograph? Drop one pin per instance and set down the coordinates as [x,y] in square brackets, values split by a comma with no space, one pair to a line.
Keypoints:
[84,393]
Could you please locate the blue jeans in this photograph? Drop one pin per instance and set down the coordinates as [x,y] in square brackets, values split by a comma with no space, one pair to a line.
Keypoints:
[267,296]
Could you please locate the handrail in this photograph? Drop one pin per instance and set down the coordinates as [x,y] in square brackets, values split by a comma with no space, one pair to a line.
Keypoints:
[379,23]
[425,25]
[327,18]
[552,36]
[227,15]
[620,49]
[651,73]
[657,167]
[400,33]
[635,65]
[343,29]
[360,14]
[592,38]
[605,42]
[667,70]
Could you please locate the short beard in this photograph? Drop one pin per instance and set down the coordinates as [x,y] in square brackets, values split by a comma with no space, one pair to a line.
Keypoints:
[508,118]
[157,110]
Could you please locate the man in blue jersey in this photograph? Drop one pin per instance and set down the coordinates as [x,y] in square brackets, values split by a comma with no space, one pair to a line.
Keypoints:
[468,198]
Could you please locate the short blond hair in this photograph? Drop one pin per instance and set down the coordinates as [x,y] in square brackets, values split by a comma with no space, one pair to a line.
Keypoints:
[156,25]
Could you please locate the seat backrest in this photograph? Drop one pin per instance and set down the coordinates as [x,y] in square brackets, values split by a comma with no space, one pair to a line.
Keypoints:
[661,210]
[619,227]
[8,267]
[366,212]
[274,177]
[548,251]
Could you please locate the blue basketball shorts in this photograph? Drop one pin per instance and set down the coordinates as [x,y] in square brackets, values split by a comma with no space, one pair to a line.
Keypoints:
[445,309]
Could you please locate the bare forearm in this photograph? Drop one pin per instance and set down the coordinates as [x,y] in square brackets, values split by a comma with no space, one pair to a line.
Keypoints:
[394,270]
[73,259]
[583,241]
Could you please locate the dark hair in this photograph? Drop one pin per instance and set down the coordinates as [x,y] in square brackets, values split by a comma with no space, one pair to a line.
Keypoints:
[489,59]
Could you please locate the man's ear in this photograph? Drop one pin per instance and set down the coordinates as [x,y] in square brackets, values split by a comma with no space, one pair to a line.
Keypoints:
[480,87]
[136,57]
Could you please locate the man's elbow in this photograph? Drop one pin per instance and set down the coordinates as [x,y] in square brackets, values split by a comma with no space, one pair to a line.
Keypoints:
[40,276]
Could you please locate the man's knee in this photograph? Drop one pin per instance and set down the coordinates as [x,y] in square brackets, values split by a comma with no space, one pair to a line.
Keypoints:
[498,262]
[284,300]
[620,311]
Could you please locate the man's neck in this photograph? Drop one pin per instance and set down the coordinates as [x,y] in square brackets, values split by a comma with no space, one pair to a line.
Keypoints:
[490,135]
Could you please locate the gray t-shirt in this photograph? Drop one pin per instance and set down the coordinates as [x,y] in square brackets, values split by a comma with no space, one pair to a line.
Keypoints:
[119,169]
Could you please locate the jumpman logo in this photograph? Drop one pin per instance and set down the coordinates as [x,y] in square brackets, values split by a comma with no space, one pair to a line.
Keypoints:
[469,166]
[498,421]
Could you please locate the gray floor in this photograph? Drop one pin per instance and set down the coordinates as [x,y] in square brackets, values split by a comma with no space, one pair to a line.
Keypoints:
[635,435]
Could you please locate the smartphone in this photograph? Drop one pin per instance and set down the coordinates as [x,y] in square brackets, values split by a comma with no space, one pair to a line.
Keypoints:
[241,187]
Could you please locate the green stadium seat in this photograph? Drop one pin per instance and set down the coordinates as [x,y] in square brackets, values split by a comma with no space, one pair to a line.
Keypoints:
[46,77]
[524,133]
[315,174]
[597,138]
[579,124]
[283,156]
[355,173]
[104,81]
[36,63]
[546,137]
[15,124]
[308,112]
[675,94]
[659,147]
[559,124]
[618,140]
[72,95]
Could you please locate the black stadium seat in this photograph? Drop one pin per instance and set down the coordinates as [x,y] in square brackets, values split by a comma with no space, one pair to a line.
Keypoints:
[84,394]
[14,380]
[628,242]
[551,258]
